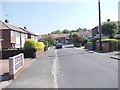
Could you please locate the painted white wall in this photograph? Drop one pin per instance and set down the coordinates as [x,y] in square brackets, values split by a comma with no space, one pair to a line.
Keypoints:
[17,45]
[0,44]
[23,38]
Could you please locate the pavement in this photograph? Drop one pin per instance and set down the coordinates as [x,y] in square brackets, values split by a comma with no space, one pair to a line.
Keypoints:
[39,74]
[114,54]
[4,73]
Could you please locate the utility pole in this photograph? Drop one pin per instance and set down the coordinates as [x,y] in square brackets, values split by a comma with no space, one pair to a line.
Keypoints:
[100,29]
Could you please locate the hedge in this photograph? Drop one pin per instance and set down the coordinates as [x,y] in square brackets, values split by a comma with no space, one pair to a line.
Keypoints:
[30,44]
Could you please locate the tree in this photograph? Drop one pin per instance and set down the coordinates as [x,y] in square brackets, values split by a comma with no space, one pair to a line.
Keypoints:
[76,39]
[65,31]
[79,29]
[50,40]
[56,32]
[109,28]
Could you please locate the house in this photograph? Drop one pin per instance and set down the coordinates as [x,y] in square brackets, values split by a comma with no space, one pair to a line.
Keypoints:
[30,34]
[85,34]
[13,36]
[43,37]
[62,38]
[95,30]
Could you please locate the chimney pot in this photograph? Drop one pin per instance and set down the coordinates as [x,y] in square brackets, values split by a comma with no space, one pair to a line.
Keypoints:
[108,20]
[6,21]
[25,28]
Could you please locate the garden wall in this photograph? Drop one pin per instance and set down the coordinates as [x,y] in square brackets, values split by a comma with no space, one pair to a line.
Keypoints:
[27,53]
[105,46]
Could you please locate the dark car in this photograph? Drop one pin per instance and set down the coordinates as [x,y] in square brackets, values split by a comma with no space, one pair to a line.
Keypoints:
[58,46]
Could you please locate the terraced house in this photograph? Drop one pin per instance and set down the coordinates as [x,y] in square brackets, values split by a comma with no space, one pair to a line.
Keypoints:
[14,36]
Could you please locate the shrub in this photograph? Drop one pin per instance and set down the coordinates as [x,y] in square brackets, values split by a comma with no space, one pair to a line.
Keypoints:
[30,44]
[117,36]
[50,40]
[84,41]
[45,42]
[76,40]
[41,45]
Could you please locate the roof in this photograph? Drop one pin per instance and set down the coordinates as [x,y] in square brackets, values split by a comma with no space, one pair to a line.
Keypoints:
[28,31]
[82,33]
[44,36]
[60,35]
[4,26]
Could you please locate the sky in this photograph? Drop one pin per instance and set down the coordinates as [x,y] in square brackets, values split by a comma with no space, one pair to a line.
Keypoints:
[43,17]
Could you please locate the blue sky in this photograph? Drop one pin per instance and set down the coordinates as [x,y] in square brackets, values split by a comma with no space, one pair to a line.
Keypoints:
[45,17]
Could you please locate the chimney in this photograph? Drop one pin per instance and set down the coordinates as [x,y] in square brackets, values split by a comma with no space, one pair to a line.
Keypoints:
[25,28]
[6,21]
[108,20]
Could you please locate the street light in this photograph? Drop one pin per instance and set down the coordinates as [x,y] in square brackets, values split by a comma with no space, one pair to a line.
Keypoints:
[100,30]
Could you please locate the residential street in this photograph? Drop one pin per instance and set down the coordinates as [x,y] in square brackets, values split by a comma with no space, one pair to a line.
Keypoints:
[82,69]
[77,68]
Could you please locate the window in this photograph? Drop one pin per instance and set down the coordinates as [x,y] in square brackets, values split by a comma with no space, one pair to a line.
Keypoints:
[12,33]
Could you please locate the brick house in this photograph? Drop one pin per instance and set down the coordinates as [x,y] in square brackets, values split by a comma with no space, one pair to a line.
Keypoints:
[60,38]
[95,31]
[30,34]
[13,36]
[43,37]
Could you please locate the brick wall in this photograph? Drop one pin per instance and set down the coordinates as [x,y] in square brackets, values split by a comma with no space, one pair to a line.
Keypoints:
[6,39]
[105,46]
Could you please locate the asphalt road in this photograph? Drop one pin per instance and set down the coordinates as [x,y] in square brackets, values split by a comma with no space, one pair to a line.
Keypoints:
[79,68]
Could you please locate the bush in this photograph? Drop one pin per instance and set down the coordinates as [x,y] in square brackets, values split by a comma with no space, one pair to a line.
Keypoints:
[45,42]
[76,40]
[30,44]
[50,41]
[117,36]
[84,41]
[40,46]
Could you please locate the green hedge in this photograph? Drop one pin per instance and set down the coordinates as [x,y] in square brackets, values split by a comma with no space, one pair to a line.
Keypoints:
[30,44]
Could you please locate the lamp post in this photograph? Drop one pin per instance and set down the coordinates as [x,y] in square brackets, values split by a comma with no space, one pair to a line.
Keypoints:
[100,30]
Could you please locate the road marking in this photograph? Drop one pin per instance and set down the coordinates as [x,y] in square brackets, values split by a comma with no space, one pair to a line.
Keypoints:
[79,48]
[55,69]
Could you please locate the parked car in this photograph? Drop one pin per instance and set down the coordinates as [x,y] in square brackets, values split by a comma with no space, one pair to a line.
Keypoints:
[58,46]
